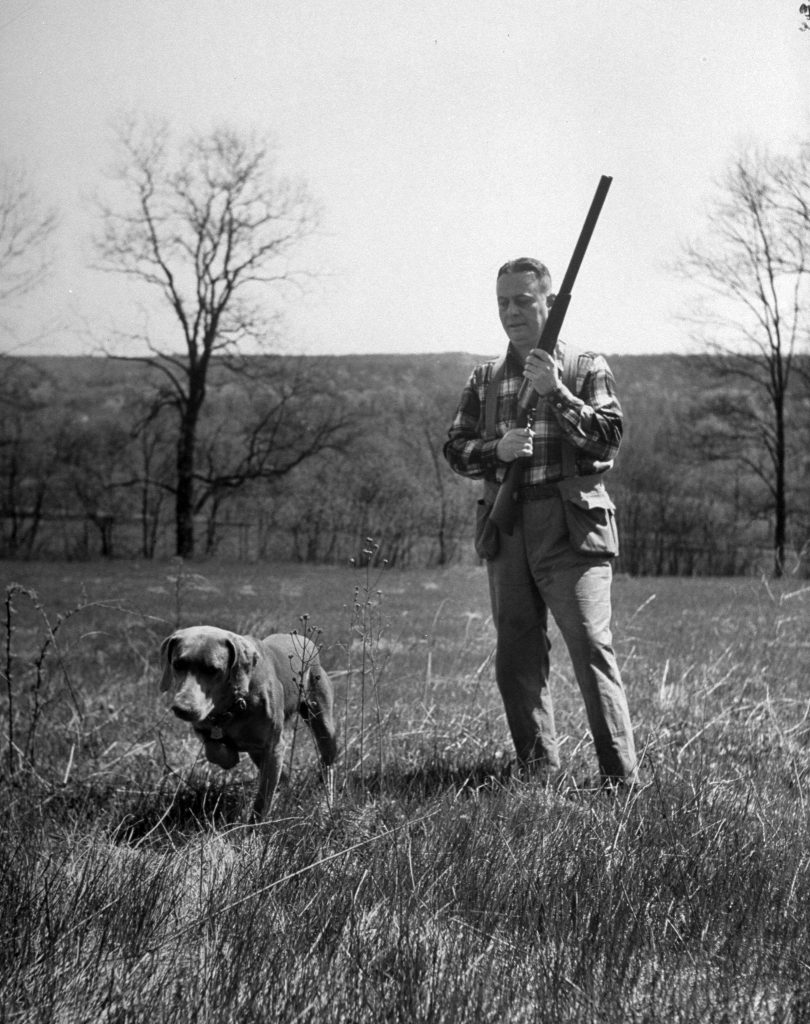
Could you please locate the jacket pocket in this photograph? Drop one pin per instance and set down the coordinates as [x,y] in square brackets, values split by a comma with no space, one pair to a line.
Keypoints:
[590,516]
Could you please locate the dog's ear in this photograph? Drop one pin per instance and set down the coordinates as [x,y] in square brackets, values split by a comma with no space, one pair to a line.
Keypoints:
[166,661]
[244,656]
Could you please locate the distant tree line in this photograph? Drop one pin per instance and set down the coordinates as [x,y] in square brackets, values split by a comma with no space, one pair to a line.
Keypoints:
[87,466]
[208,442]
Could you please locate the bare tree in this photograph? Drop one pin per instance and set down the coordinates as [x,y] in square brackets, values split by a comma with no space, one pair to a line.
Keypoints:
[29,460]
[264,425]
[26,227]
[209,226]
[445,498]
[754,265]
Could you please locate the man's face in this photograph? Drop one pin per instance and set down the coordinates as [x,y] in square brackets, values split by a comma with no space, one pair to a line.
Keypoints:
[523,309]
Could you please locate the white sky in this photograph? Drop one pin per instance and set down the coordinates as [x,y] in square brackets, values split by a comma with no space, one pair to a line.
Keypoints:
[441,137]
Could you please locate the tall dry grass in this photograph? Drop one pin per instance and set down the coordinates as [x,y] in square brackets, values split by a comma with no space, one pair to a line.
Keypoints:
[433,889]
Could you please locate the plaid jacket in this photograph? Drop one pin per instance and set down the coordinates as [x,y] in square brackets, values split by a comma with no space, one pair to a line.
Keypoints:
[590,419]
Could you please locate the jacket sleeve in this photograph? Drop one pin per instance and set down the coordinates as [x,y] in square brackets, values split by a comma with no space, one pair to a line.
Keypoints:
[591,420]
[467,451]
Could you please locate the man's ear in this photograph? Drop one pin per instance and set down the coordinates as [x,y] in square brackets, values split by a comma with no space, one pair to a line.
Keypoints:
[550,299]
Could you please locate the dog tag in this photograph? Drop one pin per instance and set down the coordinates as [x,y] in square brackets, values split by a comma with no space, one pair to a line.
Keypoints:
[216,733]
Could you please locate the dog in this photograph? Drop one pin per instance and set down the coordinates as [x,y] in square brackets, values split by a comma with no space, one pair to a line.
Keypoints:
[239,692]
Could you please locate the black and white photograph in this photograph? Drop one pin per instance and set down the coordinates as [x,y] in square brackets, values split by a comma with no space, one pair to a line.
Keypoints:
[405,512]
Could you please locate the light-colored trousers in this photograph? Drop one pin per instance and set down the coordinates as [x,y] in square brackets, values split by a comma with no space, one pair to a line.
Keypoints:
[536,572]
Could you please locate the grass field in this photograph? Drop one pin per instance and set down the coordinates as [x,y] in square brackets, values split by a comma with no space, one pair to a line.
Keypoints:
[433,889]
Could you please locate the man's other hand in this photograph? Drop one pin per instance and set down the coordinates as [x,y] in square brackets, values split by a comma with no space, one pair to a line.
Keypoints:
[515,444]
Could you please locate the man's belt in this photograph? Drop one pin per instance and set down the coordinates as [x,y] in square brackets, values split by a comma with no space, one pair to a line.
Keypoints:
[536,492]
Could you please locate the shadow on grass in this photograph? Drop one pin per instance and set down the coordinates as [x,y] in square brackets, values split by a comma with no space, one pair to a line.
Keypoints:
[432,778]
[175,812]
[172,813]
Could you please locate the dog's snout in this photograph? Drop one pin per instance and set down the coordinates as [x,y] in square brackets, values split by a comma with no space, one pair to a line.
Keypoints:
[191,703]
[187,714]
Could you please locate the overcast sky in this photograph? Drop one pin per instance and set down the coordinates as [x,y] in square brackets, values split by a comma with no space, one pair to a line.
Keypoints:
[441,138]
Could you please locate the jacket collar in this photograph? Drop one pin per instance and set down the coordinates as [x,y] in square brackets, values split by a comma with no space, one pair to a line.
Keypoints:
[514,363]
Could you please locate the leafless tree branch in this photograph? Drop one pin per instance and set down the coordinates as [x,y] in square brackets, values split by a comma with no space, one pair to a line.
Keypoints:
[26,230]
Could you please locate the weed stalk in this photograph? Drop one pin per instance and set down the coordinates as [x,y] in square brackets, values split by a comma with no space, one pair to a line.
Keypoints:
[367,626]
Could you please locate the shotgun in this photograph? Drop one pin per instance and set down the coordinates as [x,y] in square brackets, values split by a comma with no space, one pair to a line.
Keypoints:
[504,509]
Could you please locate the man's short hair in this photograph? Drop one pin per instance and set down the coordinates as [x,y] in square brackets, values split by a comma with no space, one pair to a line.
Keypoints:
[526,264]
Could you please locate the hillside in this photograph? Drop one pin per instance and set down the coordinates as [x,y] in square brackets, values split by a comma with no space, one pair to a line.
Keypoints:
[440,374]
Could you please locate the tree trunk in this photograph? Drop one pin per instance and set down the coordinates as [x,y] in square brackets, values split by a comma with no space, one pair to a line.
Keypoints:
[780,497]
[184,498]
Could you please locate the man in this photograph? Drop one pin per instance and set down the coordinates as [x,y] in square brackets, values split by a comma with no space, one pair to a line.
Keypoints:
[540,567]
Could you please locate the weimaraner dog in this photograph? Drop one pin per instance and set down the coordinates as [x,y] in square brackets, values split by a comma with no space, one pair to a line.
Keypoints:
[239,692]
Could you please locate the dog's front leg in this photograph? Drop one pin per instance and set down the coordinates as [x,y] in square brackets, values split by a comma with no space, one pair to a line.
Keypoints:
[269,765]
[219,752]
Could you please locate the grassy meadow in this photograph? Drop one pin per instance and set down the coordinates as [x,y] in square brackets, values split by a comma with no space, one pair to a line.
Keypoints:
[434,889]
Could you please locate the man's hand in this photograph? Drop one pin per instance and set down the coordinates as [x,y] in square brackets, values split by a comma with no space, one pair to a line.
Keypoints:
[515,444]
[541,370]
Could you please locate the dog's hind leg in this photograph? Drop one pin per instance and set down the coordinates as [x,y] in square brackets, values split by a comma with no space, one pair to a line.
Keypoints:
[316,710]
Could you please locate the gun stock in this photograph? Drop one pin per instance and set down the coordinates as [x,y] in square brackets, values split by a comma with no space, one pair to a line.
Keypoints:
[504,509]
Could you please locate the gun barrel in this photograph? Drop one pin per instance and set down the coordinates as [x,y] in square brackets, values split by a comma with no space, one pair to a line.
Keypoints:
[551,331]
[585,234]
